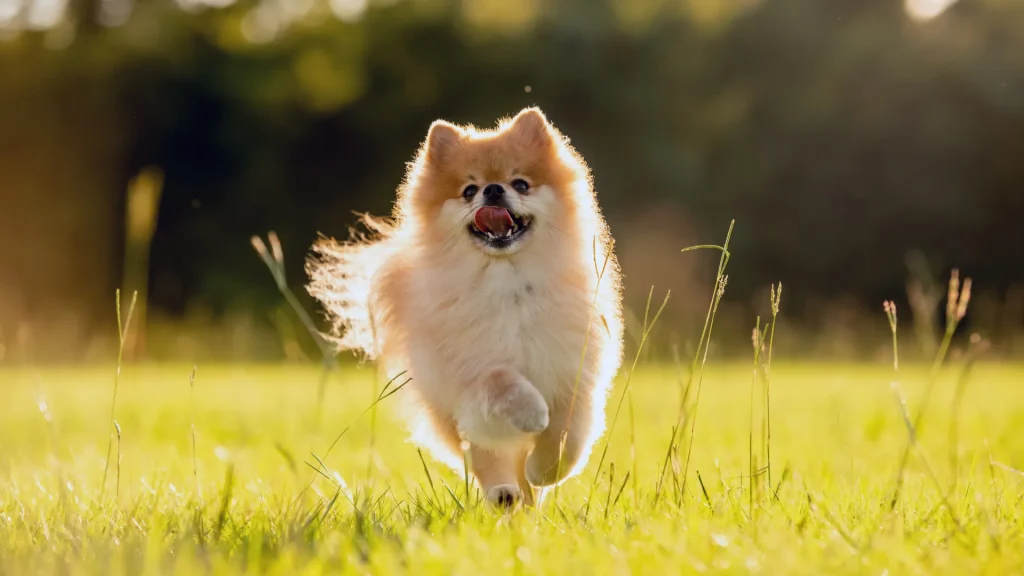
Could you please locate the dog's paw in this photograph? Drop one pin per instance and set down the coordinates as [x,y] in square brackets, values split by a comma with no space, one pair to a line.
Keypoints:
[505,407]
[505,496]
[526,409]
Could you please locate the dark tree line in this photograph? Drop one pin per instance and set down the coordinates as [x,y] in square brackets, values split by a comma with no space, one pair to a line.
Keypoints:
[840,135]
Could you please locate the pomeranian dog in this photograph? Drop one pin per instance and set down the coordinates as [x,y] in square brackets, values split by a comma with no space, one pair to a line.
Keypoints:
[495,289]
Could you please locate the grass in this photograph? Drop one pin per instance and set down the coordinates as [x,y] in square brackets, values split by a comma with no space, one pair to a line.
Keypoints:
[254,489]
[299,481]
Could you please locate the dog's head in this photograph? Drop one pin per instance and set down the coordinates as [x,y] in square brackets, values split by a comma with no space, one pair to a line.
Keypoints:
[495,190]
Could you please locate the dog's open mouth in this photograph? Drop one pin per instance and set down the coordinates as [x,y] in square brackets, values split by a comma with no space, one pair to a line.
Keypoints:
[499,227]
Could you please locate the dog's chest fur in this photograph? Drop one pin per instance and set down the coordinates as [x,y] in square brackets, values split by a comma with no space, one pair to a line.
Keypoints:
[503,314]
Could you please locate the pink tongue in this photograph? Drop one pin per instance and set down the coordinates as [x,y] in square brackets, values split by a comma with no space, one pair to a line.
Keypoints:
[492,219]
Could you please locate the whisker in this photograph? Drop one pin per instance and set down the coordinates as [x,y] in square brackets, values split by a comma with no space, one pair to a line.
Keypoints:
[549,221]
[452,235]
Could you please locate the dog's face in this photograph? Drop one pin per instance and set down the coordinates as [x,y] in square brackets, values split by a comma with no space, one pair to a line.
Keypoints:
[494,190]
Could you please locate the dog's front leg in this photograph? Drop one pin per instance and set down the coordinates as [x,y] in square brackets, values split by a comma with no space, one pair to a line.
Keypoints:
[500,474]
[501,407]
[497,415]
[562,445]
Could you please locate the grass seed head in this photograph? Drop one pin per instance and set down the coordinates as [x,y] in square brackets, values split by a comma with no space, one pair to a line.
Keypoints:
[890,312]
[964,300]
[776,297]
[953,294]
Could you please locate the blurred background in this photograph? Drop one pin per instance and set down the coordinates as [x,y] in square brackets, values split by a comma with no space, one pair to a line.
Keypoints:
[864,148]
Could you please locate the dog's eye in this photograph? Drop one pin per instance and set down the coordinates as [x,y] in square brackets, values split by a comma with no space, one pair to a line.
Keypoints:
[469,191]
[521,186]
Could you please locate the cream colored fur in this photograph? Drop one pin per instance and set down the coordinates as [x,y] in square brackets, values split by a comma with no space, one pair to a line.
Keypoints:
[493,341]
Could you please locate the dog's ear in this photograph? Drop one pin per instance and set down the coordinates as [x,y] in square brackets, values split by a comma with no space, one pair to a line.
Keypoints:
[531,128]
[443,139]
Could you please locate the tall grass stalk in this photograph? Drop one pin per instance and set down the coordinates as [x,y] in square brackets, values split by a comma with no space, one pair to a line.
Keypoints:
[599,271]
[912,434]
[117,475]
[386,392]
[225,502]
[776,301]
[890,313]
[192,431]
[957,301]
[644,334]
[273,258]
[757,338]
[912,429]
[372,442]
[699,359]
[611,487]
[978,347]
[122,330]
[465,469]
[632,449]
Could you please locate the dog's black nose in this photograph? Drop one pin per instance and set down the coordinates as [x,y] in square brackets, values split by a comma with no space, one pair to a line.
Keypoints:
[493,192]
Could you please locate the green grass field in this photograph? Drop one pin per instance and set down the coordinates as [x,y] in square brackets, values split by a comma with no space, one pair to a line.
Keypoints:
[254,503]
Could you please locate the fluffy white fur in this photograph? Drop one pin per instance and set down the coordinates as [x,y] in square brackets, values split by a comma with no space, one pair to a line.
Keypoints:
[493,339]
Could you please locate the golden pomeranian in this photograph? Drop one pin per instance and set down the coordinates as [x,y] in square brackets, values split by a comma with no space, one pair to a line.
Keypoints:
[494,288]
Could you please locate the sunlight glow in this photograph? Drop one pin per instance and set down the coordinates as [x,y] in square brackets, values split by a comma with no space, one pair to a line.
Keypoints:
[923,10]
[45,14]
[348,10]
[263,23]
[115,12]
[9,10]
[193,5]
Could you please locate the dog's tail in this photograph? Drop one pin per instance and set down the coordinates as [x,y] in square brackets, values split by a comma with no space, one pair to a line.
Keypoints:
[342,279]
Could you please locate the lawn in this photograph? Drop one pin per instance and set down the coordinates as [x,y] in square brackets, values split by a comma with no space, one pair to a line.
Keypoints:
[247,493]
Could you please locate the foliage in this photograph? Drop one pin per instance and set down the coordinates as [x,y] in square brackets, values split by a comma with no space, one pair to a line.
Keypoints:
[250,503]
[834,132]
